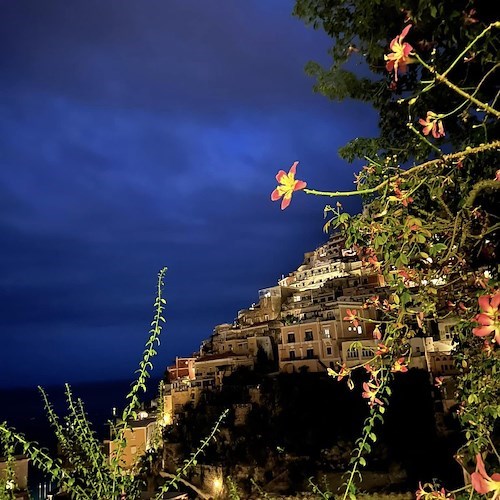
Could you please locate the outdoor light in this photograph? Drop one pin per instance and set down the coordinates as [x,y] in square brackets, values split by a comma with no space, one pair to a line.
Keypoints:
[217,484]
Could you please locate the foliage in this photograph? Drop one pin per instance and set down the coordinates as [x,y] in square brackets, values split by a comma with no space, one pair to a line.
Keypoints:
[429,225]
[86,471]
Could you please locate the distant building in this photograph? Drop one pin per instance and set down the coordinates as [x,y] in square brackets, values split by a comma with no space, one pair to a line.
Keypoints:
[20,468]
[183,368]
[138,438]
[316,344]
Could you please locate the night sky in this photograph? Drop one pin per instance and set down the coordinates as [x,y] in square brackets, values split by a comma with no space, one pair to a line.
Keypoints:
[147,133]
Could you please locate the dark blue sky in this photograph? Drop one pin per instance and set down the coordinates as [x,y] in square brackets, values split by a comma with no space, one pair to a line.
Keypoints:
[141,134]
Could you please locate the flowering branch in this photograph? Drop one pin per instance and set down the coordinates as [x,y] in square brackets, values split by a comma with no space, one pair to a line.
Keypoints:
[436,162]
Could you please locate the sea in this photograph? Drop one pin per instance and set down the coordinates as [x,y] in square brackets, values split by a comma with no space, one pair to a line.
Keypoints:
[23,410]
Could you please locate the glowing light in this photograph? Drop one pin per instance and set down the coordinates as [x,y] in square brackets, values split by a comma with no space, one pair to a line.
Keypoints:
[217,484]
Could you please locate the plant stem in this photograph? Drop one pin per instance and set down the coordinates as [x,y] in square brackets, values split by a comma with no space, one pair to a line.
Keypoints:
[478,37]
[438,161]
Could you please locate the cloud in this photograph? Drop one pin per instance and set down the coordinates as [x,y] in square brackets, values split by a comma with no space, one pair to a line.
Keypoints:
[136,135]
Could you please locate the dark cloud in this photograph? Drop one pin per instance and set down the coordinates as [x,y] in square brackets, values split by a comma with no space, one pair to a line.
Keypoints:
[141,134]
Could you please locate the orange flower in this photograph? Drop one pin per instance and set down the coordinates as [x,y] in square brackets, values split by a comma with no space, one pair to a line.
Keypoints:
[398,59]
[483,483]
[399,366]
[382,349]
[377,334]
[344,371]
[432,493]
[433,124]
[370,392]
[402,196]
[287,186]
[351,316]
[489,318]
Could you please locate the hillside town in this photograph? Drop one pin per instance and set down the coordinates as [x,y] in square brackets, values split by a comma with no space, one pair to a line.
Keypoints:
[302,324]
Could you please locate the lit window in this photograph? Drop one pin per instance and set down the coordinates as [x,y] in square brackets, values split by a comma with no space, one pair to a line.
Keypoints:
[360,330]
[326,333]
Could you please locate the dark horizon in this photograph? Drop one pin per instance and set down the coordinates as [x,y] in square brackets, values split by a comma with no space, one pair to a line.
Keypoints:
[140,136]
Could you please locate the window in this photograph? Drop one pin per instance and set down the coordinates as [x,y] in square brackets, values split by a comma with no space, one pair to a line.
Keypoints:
[366,353]
[360,330]
[291,338]
[310,353]
[308,335]
[326,333]
[133,450]
[266,317]
[332,364]
[329,351]
[352,353]
[292,355]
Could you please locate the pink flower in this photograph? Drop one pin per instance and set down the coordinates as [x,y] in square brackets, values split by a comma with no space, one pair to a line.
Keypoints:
[438,381]
[377,334]
[287,186]
[432,493]
[433,124]
[398,59]
[399,366]
[344,371]
[351,316]
[370,391]
[402,195]
[483,483]
[382,349]
[489,318]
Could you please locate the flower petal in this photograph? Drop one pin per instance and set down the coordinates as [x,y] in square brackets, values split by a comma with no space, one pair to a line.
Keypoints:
[484,303]
[480,466]
[293,168]
[483,331]
[286,201]
[405,31]
[479,483]
[299,185]
[407,49]
[280,175]
[495,301]
[276,195]
[484,319]
[394,41]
